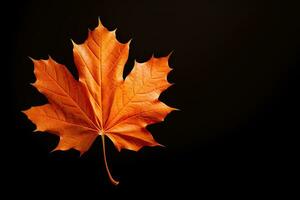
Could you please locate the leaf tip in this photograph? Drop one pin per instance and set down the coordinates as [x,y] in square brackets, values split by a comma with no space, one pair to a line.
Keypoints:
[35,130]
[114,31]
[24,112]
[33,84]
[160,145]
[169,55]
[129,41]
[152,56]
[176,109]
[118,148]
[73,43]
[81,153]
[32,59]
[99,22]
[53,150]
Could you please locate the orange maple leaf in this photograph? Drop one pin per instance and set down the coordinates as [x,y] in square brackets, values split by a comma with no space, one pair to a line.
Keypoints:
[101,102]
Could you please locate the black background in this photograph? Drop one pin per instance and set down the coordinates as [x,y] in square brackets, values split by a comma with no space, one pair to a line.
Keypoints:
[235,83]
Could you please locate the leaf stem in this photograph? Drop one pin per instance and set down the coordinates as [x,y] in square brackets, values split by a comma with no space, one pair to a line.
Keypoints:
[115,182]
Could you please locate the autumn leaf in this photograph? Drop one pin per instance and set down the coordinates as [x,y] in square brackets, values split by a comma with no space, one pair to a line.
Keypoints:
[101,102]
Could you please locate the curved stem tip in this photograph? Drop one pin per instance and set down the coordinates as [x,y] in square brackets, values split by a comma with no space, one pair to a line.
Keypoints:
[113,181]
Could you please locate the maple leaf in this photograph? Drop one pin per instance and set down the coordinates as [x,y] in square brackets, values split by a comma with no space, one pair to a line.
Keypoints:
[101,102]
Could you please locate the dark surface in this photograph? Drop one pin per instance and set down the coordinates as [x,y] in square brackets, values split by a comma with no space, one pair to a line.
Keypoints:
[235,83]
